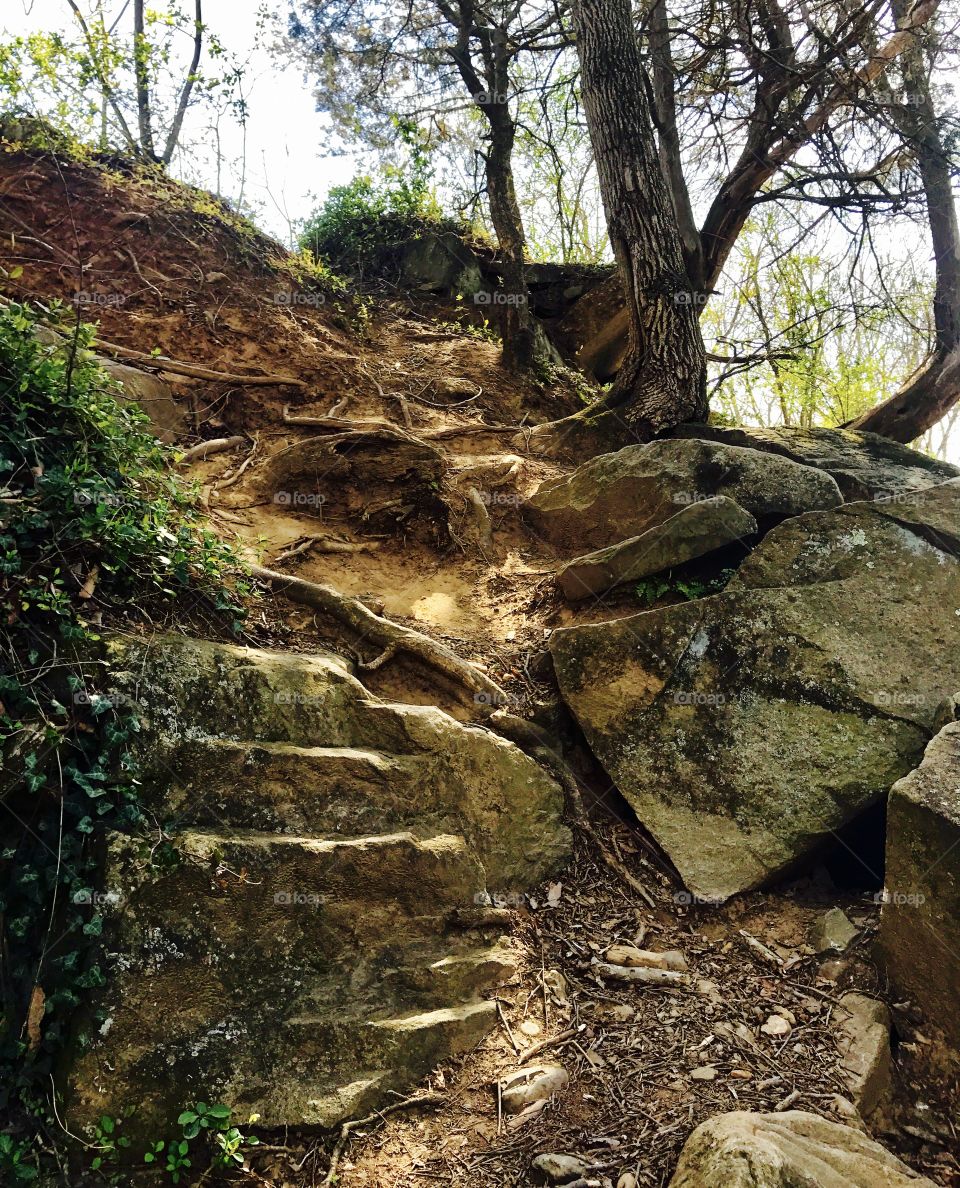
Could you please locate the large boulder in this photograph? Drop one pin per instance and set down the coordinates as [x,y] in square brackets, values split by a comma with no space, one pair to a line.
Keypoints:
[695,531]
[865,465]
[300,944]
[793,1149]
[920,920]
[151,394]
[747,727]
[620,495]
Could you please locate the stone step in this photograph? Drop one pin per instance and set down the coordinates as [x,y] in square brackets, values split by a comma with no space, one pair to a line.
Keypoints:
[272,740]
[300,955]
[317,1051]
[427,975]
[216,958]
[272,786]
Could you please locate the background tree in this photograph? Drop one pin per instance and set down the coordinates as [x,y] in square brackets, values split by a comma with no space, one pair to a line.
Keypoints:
[663,378]
[759,104]
[430,61]
[114,76]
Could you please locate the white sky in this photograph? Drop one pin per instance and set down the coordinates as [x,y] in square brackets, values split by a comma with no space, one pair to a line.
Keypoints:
[288,166]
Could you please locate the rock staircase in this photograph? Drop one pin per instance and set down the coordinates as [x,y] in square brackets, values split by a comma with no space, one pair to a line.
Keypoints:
[299,949]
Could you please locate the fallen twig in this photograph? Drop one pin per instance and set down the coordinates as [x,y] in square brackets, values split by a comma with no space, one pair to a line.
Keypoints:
[642,974]
[543,1045]
[761,948]
[409,1103]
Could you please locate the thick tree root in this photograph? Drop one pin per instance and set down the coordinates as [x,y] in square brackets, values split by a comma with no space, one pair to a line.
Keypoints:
[385,634]
[346,425]
[218,445]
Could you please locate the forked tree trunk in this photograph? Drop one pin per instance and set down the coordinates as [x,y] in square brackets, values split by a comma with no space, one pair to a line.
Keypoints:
[663,379]
[936,388]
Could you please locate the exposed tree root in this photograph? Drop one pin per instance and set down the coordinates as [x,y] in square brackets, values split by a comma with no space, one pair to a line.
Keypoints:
[324,543]
[161,363]
[238,473]
[204,449]
[385,634]
[536,744]
[481,518]
[345,425]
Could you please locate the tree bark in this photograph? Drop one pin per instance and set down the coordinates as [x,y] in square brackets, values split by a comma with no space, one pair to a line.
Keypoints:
[142,75]
[184,101]
[936,388]
[524,341]
[663,379]
[517,328]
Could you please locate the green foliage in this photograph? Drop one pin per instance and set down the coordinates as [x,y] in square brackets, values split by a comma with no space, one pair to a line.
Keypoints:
[14,1165]
[839,340]
[94,525]
[78,80]
[109,1142]
[683,589]
[361,223]
[225,1142]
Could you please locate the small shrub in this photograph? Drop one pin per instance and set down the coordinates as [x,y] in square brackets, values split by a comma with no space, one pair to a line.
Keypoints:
[652,589]
[94,524]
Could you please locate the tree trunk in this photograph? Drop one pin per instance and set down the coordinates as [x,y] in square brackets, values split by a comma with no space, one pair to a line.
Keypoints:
[929,395]
[141,51]
[517,328]
[524,341]
[663,379]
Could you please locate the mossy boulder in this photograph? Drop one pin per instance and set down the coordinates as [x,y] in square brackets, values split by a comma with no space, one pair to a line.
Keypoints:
[745,728]
[865,465]
[292,940]
[920,920]
[617,496]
